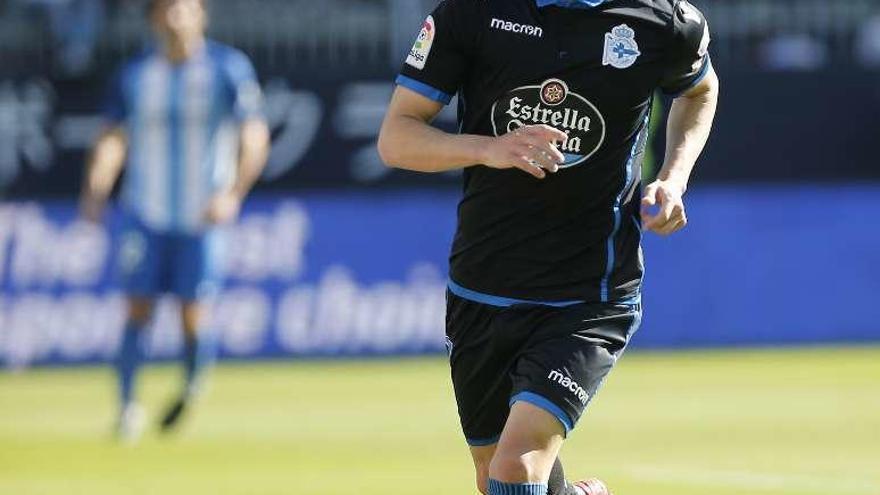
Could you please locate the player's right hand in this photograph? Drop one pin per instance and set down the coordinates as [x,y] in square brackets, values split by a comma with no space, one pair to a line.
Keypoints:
[530,148]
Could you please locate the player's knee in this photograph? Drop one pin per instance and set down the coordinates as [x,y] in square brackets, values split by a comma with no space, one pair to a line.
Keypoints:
[512,467]
[191,316]
[140,311]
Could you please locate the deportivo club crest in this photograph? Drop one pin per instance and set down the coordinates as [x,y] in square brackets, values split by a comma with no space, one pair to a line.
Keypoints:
[621,49]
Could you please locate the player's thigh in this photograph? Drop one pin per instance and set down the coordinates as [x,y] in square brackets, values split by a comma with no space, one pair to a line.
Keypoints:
[196,262]
[570,358]
[140,260]
[528,446]
[480,373]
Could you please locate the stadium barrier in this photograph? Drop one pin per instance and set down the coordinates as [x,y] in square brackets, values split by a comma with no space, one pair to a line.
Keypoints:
[331,275]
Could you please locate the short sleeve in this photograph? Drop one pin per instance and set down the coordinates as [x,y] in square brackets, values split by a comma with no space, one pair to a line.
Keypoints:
[114,108]
[244,88]
[688,61]
[438,61]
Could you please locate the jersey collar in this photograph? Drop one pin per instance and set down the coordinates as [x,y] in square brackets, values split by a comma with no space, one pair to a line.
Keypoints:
[571,4]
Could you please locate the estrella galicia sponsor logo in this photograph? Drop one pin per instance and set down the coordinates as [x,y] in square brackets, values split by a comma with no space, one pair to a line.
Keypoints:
[554,104]
[621,49]
[572,386]
[418,55]
[515,27]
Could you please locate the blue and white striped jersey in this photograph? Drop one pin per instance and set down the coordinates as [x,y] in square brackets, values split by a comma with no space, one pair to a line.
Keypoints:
[182,122]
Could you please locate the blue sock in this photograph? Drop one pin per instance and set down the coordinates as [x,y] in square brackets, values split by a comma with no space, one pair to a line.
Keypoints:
[129,359]
[198,354]
[498,488]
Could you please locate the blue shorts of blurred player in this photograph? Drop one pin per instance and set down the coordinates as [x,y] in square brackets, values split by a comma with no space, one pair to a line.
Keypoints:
[184,265]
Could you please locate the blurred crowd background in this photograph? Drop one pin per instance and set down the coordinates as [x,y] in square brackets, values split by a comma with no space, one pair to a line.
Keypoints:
[337,254]
[800,77]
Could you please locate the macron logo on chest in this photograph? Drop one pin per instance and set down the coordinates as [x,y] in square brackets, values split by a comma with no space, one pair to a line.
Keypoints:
[515,27]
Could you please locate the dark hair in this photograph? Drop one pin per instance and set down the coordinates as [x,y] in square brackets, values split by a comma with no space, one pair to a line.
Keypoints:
[151,6]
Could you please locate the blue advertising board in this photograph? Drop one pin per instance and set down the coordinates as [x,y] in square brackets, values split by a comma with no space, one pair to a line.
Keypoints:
[354,274]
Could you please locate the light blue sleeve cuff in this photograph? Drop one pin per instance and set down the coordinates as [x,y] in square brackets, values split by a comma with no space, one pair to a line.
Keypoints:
[424,89]
[702,75]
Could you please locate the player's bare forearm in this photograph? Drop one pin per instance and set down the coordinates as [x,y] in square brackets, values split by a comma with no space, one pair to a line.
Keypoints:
[102,171]
[408,141]
[252,157]
[688,128]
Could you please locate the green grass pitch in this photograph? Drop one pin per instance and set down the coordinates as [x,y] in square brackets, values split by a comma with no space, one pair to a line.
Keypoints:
[794,422]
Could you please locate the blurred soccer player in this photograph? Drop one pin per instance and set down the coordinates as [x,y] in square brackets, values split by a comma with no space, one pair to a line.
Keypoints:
[185,119]
[546,268]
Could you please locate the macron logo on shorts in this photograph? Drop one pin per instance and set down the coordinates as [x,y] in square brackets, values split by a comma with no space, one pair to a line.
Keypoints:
[514,27]
[570,385]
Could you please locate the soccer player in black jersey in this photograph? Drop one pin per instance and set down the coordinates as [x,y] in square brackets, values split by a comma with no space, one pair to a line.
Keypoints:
[554,99]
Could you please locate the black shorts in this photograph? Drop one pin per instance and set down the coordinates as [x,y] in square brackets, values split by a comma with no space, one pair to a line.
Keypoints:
[553,357]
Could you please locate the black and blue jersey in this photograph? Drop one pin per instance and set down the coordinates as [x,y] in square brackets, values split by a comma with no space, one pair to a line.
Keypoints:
[589,69]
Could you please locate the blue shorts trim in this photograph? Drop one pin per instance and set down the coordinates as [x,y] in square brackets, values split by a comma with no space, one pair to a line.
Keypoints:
[482,442]
[502,302]
[702,75]
[424,89]
[545,404]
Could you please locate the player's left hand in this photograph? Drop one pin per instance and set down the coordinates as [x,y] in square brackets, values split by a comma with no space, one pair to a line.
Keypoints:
[223,208]
[671,216]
